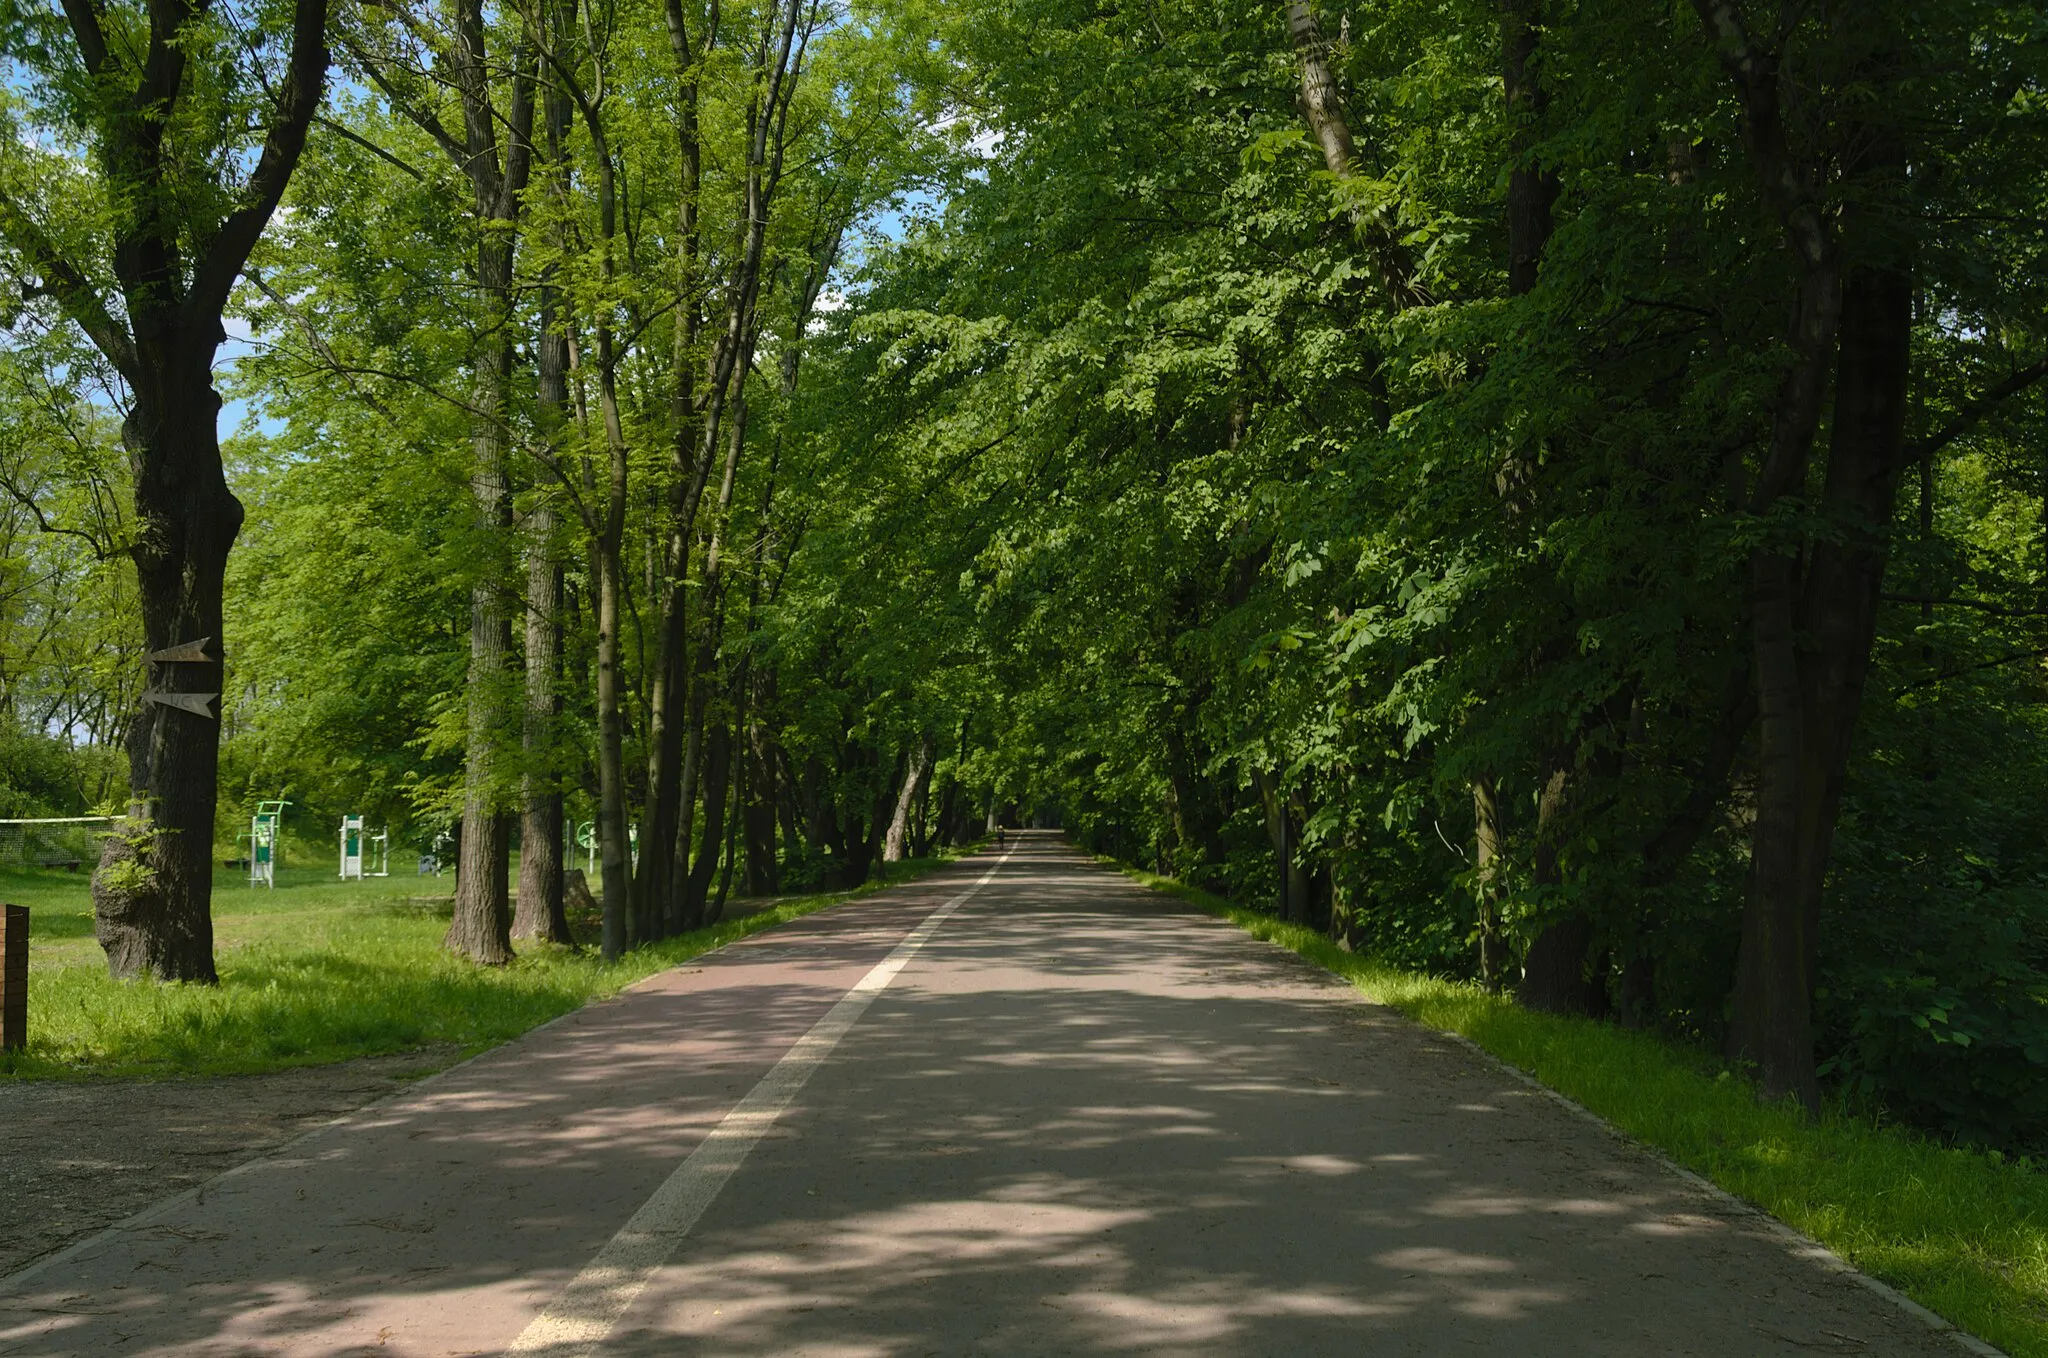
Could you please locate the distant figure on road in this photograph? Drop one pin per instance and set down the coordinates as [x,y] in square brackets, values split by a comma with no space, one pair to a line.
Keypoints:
[1002,837]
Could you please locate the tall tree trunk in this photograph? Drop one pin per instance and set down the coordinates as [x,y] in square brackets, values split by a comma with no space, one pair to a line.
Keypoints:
[1553,968]
[716,909]
[675,751]
[1532,189]
[495,155]
[1845,572]
[481,926]
[1283,829]
[606,526]
[152,891]
[1809,692]
[718,765]
[1322,108]
[1554,976]
[665,851]
[613,851]
[614,826]
[540,914]
[718,760]
[915,773]
[541,911]
[764,871]
[1770,1012]
[1488,867]
[1195,821]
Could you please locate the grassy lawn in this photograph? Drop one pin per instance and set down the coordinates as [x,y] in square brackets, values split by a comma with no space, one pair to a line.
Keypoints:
[1964,1233]
[313,971]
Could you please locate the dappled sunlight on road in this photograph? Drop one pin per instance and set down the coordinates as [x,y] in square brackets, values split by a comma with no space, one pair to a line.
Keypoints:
[1083,1120]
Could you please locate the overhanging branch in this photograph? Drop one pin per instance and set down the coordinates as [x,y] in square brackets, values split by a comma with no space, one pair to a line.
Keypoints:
[1972,414]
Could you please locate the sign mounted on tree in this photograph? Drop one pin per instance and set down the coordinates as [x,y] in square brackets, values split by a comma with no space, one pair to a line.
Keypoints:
[189,653]
[193,652]
[196,703]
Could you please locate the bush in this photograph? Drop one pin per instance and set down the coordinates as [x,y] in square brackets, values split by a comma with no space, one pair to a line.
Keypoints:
[1936,1006]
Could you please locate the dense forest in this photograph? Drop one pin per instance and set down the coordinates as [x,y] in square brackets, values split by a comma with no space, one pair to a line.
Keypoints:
[1553,492]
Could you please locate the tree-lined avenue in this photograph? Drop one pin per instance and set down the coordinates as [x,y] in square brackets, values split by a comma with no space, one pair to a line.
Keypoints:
[1079,1119]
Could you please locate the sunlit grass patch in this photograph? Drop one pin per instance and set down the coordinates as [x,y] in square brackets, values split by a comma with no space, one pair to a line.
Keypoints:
[1962,1232]
[315,971]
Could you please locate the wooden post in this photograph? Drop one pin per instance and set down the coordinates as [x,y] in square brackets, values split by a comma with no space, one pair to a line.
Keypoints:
[13,977]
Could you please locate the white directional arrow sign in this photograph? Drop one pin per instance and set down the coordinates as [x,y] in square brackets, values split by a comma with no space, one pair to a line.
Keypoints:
[184,650]
[196,703]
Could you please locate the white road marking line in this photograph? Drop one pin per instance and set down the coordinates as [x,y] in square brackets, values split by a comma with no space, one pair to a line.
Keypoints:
[583,1315]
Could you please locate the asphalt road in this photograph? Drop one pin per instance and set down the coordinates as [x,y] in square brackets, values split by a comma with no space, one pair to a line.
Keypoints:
[1022,1107]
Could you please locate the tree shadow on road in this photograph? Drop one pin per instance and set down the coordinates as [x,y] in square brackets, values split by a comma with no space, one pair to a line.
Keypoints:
[1084,1121]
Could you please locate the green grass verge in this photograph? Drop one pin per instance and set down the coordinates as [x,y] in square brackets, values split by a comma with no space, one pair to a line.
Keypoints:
[316,971]
[1962,1232]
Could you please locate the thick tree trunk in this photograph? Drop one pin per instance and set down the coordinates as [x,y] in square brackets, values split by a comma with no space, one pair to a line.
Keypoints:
[1488,867]
[690,776]
[715,911]
[152,892]
[1283,829]
[1814,648]
[1770,1012]
[921,823]
[540,913]
[1322,109]
[1553,967]
[1770,1019]
[1554,973]
[919,768]
[674,757]
[1532,190]
[1195,820]
[654,879]
[495,155]
[613,827]
[717,790]
[481,927]
[1636,1005]
[1845,572]
[665,850]
[764,872]
[614,854]
[787,809]
[869,847]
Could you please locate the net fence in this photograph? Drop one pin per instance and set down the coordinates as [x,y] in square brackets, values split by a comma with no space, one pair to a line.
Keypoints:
[63,842]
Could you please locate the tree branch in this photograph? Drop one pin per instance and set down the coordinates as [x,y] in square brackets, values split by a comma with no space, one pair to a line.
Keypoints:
[387,157]
[163,67]
[417,114]
[1973,413]
[62,280]
[1981,605]
[2035,653]
[21,497]
[320,345]
[305,81]
[86,31]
